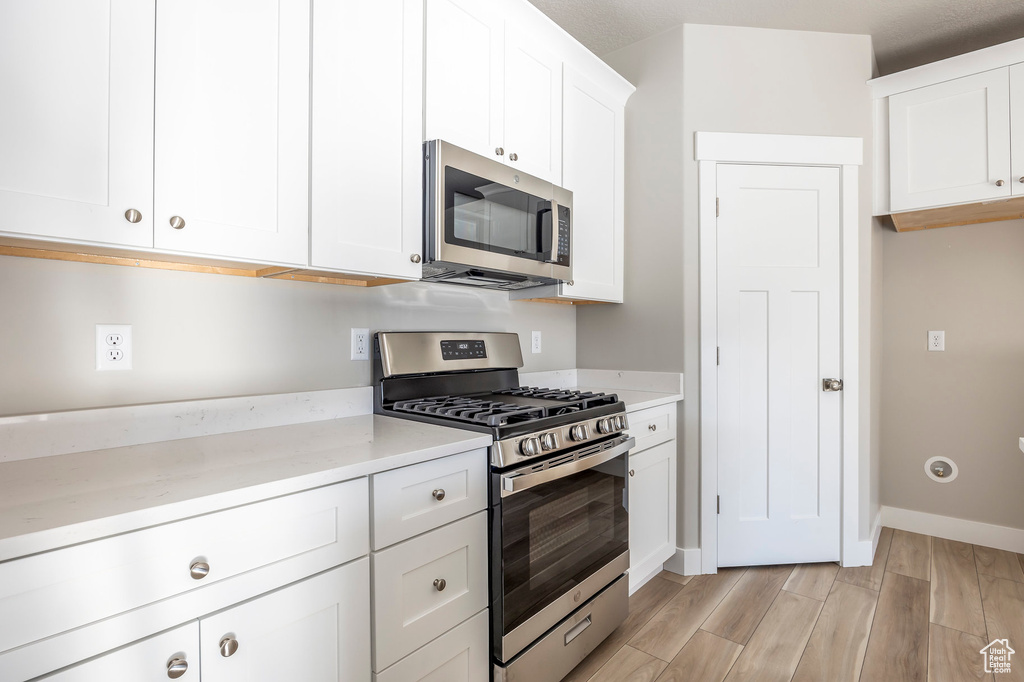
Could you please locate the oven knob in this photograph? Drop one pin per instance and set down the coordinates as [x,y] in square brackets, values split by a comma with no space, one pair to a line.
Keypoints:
[548,441]
[606,425]
[620,423]
[530,446]
[579,432]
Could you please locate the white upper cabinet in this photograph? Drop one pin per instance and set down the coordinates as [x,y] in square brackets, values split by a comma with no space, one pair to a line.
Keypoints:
[367,165]
[1017,124]
[592,169]
[232,129]
[76,123]
[492,88]
[950,142]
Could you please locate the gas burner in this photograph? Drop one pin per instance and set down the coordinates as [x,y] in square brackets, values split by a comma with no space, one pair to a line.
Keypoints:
[584,398]
[472,410]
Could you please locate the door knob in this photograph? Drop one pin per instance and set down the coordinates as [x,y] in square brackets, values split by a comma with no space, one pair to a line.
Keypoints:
[415,258]
[830,385]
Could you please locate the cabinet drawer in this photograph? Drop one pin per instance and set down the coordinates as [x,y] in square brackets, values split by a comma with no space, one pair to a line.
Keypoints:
[418,498]
[459,655]
[410,606]
[50,593]
[652,426]
[148,660]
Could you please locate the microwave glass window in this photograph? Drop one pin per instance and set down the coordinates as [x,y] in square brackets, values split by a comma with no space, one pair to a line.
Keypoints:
[489,216]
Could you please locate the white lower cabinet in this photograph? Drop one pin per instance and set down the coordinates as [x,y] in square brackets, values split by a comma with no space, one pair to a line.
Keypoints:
[173,654]
[317,630]
[460,655]
[652,492]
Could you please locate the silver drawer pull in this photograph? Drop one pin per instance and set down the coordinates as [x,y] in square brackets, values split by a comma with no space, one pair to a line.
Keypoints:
[176,667]
[578,629]
[177,222]
[132,215]
[199,570]
[632,473]
[228,646]
[440,584]
[652,427]
[438,494]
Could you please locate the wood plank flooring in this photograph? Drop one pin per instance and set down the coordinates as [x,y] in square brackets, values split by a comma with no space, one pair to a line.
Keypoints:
[920,613]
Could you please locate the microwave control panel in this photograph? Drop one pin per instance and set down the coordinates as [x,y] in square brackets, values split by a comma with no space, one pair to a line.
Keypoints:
[562,253]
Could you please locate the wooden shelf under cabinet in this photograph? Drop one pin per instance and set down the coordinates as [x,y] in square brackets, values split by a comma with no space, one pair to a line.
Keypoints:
[962,214]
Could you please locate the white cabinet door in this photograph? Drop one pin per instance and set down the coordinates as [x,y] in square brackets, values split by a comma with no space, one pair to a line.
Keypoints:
[367,158]
[652,510]
[232,128]
[464,75]
[317,630]
[533,106]
[950,143]
[592,169]
[76,123]
[1017,125]
[150,660]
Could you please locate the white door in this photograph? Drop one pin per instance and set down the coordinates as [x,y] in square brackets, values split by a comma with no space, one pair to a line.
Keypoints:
[76,122]
[317,630]
[592,142]
[367,158]
[950,143]
[533,107]
[232,129]
[778,337]
[150,660]
[464,74]
[1017,125]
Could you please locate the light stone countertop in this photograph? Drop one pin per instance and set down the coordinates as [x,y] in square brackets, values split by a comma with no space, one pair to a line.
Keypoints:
[50,502]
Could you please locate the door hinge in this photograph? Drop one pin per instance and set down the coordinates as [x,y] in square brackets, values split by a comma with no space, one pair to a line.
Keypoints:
[718,207]
[718,355]
[718,504]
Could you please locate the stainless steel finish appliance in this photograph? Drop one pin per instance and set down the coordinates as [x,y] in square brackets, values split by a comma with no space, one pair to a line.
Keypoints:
[489,225]
[559,523]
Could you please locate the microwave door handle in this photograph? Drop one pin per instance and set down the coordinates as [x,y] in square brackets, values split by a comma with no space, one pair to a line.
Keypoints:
[513,482]
[545,227]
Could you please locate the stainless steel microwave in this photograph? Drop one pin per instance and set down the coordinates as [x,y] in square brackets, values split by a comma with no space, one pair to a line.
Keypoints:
[490,225]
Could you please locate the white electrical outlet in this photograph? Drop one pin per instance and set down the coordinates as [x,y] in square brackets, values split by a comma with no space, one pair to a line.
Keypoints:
[360,344]
[936,341]
[113,347]
[535,343]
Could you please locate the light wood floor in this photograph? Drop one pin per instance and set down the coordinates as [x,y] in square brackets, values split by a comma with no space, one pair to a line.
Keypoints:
[922,612]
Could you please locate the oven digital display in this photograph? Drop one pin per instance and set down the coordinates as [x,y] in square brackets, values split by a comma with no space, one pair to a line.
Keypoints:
[462,350]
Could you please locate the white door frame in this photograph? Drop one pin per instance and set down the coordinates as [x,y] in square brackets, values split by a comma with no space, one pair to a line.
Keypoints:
[845,153]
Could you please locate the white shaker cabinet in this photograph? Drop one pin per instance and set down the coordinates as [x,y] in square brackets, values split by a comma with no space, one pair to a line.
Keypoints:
[317,630]
[949,143]
[491,87]
[173,654]
[367,163]
[76,124]
[232,129]
[1017,129]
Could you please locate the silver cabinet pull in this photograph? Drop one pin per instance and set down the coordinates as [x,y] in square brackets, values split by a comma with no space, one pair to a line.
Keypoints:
[1022,178]
[500,151]
[228,646]
[438,494]
[513,157]
[440,584]
[415,258]
[652,427]
[132,215]
[177,222]
[632,473]
[176,667]
[199,570]
[578,629]
[831,385]
[999,183]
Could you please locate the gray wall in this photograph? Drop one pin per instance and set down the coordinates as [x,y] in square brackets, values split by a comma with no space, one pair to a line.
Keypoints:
[203,336]
[733,80]
[964,403]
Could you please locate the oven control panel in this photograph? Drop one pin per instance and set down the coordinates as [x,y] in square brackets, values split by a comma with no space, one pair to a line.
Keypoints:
[520,448]
[462,350]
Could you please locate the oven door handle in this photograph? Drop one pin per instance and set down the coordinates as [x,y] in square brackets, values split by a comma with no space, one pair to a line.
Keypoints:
[513,482]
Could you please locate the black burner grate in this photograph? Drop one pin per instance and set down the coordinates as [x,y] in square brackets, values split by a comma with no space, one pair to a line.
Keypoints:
[584,399]
[473,410]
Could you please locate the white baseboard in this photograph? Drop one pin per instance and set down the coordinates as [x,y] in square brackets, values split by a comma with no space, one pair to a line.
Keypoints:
[863,552]
[949,528]
[684,561]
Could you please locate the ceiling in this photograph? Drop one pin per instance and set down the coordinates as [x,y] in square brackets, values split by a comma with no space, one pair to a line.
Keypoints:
[906,33]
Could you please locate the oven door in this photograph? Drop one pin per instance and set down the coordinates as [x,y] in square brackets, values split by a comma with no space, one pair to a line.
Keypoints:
[487,215]
[560,534]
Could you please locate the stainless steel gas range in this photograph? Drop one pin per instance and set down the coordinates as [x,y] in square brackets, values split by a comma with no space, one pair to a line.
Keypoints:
[559,541]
